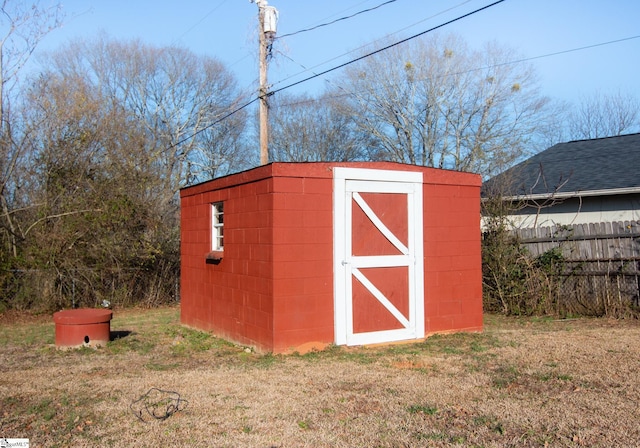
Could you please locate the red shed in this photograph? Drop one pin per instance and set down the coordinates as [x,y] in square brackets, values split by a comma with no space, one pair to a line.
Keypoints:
[295,256]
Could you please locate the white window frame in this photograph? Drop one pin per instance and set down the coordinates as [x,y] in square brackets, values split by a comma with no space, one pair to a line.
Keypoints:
[217,226]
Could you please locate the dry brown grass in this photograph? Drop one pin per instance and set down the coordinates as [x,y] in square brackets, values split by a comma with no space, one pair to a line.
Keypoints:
[520,383]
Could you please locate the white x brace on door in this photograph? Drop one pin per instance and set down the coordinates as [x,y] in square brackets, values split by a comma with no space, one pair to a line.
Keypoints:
[378,256]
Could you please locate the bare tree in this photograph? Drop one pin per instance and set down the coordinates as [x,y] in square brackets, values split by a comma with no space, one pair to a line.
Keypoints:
[307,129]
[84,222]
[223,148]
[114,130]
[174,94]
[24,25]
[437,103]
[604,115]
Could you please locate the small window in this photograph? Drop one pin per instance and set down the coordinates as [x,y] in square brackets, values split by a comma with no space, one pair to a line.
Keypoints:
[217,226]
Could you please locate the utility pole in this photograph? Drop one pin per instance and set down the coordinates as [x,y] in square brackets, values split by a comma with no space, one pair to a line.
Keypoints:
[267,22]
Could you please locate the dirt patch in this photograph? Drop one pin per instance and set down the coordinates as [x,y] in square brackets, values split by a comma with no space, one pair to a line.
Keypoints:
[521,382]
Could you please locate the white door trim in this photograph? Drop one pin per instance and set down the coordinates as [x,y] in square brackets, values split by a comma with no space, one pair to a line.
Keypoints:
[348,182]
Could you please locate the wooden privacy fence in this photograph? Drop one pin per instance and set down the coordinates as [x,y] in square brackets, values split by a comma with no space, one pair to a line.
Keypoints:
[598,264]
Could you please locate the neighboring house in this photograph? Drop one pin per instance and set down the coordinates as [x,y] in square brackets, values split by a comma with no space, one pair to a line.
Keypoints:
[578,182]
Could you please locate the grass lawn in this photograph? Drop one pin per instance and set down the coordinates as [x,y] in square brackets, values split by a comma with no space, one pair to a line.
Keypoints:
[522,382]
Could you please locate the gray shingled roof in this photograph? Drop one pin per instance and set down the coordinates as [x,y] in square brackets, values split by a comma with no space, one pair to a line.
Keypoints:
[610,163]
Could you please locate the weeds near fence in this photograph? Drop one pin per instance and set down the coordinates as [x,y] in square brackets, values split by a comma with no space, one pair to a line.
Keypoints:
[514,283]
[552,276]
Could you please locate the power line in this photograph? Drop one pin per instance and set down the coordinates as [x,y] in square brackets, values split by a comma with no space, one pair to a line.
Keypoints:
[385,48]
[547,55]
[355,60]
[337,20]
[566,51]
[199,21]
[210,125]
[502,64]
[586,47]
[371,43]
[335,68]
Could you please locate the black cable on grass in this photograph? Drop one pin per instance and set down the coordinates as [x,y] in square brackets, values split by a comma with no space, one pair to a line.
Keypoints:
[157,404]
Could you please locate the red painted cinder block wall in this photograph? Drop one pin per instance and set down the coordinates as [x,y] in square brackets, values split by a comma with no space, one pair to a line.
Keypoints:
[452,251]
[273,288]
[233,298]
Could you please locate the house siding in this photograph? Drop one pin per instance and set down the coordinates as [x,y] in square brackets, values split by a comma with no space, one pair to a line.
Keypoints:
[586,210]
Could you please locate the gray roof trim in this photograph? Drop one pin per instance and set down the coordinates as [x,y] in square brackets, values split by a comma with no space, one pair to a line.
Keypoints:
[574,194]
